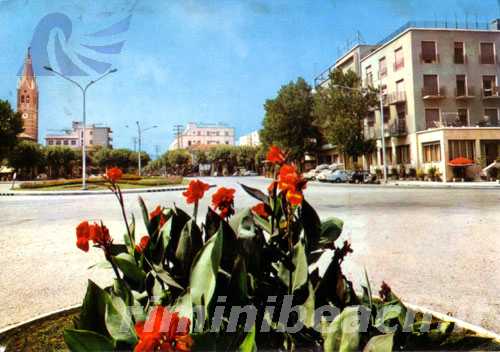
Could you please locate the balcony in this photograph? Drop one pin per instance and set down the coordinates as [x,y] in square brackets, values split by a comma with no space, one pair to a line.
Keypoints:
[398,128]
[464,93]
[433,93]
[429,59]
[490,93]
[396,98]
[370,132]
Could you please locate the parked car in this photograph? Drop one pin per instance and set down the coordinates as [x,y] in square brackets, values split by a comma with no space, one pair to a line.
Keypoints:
[338,176]
[322,176]
[359,176]
[250,173]
[312,174]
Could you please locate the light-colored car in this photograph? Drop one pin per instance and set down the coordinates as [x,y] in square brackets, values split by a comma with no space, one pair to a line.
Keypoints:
[312,174]
[323,175]
[338,176]
[250,173]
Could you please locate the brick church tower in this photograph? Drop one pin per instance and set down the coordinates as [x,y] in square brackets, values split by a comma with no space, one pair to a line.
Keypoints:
[27,101]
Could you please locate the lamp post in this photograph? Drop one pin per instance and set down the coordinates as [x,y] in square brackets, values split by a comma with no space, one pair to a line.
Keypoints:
[382,127]
[140,131]
[84,93]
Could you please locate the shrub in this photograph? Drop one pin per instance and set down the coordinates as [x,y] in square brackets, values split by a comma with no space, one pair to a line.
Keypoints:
[261,261]
[420,173]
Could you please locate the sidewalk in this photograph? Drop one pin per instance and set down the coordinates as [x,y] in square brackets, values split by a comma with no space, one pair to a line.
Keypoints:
[431,184]
[6,191]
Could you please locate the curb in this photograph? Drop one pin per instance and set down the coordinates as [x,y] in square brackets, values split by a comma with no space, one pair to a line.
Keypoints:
[410,186]
[90,193]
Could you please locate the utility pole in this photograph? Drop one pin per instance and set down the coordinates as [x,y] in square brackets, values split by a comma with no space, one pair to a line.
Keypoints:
[140,131]
[134,140]
[157,151]
[178,129]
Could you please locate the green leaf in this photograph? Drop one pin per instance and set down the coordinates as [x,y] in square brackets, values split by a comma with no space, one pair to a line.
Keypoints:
[126,238]
[190,242]
[212,223]
[331,229]
[184,306]
[166,278]
[93,308]
[248,344]
[145,213]
[343,332]
[101,265]
[300,274]
[257,194]
[238,286]
[311,224]
[87,341]
[380,343]
[119,320]
[128,266]
[204,270]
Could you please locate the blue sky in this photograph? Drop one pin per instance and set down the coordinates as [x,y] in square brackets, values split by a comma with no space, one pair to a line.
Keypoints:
[198,60]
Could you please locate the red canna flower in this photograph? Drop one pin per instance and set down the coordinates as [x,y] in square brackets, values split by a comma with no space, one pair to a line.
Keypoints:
[261,210]
[223,200]
[292,183]
[158,212]
[275,155]
[143,244]
[99,234]
[195,191]
[82,236]
[163,331]
[272,187]
[114,174]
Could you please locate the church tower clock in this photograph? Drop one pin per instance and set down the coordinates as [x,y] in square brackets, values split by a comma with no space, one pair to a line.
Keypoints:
[27,101]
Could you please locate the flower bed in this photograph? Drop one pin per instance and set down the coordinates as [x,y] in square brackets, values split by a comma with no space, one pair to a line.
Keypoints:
[242,280]
[101,181]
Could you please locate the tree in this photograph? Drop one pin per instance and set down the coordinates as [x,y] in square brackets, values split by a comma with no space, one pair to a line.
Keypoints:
[246,157]
[26,157]
[11,124]
[61,160]
[223,158]
[179,160]
[340,113]
[288,121]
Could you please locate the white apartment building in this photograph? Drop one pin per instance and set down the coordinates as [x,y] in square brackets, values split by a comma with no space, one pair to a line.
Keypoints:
[440,88]
[201,134]
[94,136]
[252,139]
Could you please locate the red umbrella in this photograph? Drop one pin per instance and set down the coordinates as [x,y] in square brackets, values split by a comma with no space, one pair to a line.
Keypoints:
[461,161]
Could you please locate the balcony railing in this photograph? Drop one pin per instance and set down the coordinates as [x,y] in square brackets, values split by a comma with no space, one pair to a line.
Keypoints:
[464,92]
[370,132]
[398,128]
[490,93]
[433,92]
[429,59]
[396,97]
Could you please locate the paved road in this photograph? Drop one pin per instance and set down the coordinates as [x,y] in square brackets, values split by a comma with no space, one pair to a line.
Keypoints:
[438,248]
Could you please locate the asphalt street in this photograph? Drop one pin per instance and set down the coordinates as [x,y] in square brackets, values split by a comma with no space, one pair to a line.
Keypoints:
[438,248]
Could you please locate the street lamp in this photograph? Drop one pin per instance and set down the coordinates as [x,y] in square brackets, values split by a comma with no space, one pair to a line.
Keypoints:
[382,128]
[84,92]
[139,139]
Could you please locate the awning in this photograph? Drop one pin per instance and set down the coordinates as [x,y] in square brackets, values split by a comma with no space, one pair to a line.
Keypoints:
[461,161]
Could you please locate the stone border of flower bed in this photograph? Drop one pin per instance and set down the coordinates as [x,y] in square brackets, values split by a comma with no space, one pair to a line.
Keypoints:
[86,193]
[480,331]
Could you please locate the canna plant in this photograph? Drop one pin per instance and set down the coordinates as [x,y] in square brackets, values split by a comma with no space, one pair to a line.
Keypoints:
[224,284]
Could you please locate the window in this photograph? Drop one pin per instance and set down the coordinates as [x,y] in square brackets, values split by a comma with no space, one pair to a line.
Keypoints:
[91,133]
[387,114]
[91,142]
[65,142]
[400,86]
[459,53]
[227,133]
[429,54]
[382,67]
[189,143]
[399,61]
[401,111]
[430,85]
[58,142]
[370,119]
[369,76]
[461,148]
[487,53]
[27,99]
[489,86]
[22,98]
[198,133]
[431,152]
[462,117]
[491,116]
[431,118]
[388,153]
[51,142]
[73,142]
[461,86]
[402,154]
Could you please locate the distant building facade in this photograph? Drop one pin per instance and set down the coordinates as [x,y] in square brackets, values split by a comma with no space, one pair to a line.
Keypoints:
[94,136]
[203,134]
[441,92]
[252,139]
[27,101]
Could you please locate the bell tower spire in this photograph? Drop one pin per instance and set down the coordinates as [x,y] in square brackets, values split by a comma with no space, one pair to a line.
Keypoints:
[27,100]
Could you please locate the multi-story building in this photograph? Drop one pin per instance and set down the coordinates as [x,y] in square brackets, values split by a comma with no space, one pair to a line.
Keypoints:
[95,135]
[203,134]
[27,101]
[439,83]
[252,139]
